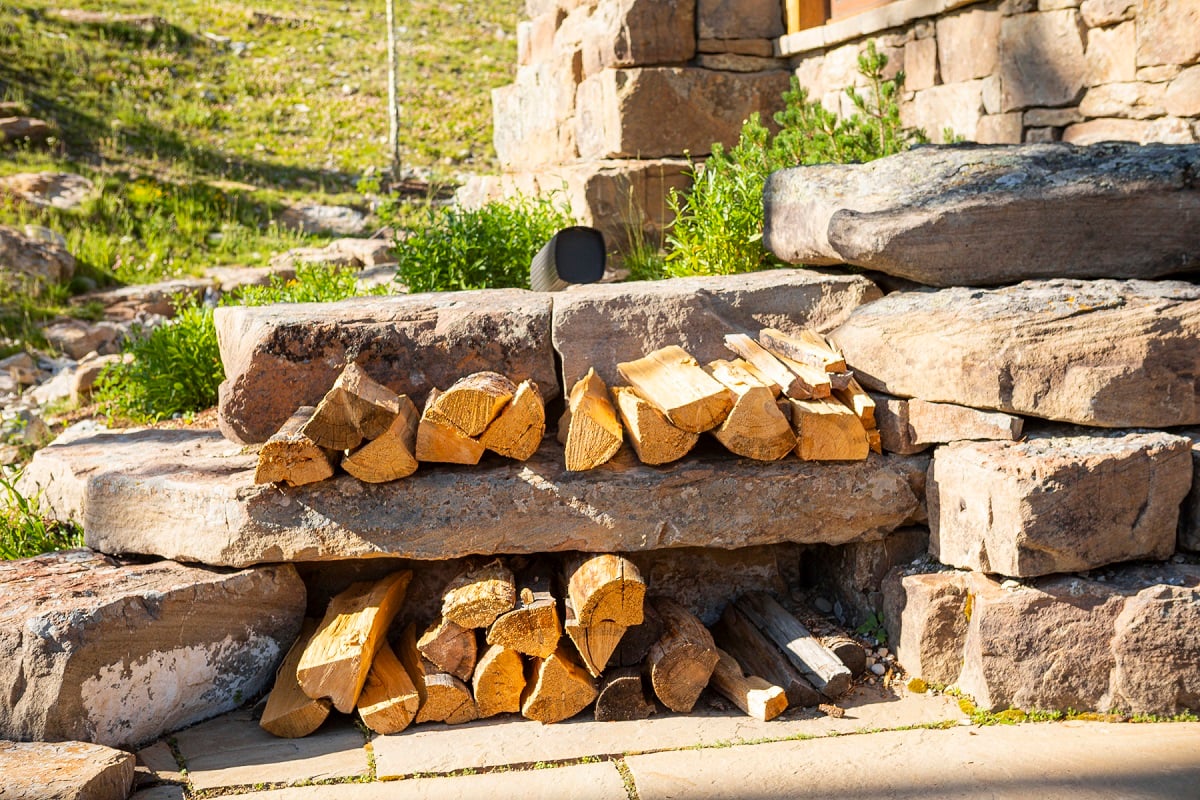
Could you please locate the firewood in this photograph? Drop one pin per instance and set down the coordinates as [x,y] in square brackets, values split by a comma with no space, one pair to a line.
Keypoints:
[826,430]
[474,599]
[389,701]
[499,681]
[443,443]
[558,689]
[622,696]
[354,408]
[857,400]
[595,643]
[814,382]
[336,661]
[593,433]
[735,634]
[471,403]
[444,698]
[840,381]
[875,441]
[637,640]
[533,627]
[768,366]
[449,647]
[673,382]
[755,427]
[682,660]
[755,696]
[519,429]
[808,347]
[822,668]
[391,455]
[762,378]
[654,438]
[604,586]
[291,457]
[289,712]
[849,652]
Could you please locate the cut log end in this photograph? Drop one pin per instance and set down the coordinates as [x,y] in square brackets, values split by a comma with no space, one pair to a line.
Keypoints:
[654,438]
[291,457]
[559,688]
[389,700]
[671,380]
[499,682]
[622,697]
[519,429]
[472,403]
[476,598]
[593,433]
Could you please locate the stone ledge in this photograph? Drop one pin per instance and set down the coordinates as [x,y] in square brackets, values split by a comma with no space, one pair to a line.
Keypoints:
[892,15]
[189,495]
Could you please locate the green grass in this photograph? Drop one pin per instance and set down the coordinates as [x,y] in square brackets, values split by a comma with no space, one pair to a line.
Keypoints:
[25,529]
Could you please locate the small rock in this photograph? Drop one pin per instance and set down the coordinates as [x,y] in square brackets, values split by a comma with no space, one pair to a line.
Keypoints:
[823,605]
[49,771]
[54,390]
[882,652]
[64,190]
[77,338]
[830,710]
[878,669]
[29,258]
[17,129]
[1010,584]
[322,219]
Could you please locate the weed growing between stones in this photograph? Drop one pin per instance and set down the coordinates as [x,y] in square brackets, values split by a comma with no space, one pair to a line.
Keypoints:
[26,529]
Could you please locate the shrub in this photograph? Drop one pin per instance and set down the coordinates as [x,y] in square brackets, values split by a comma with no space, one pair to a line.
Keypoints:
[25,530]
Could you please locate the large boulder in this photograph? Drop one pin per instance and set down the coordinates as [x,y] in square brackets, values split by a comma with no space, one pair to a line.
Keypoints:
[118,654]
[926,616]
[976,215]
[1112,354]
[280,357]
[64,771]
[34,260]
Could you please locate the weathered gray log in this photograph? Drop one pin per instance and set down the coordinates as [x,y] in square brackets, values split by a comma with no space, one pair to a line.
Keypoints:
[735,634]
[822,668]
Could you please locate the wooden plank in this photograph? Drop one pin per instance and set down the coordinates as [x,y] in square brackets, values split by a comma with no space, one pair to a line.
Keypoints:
[471,403]
[291,457]
[289,712]
[768,366]
[391,455]
[674,382]
[519,429]
[475,598]
[355,408]
[389,701]
[593,433]
[755,696]
[681,662]
[826,430]
[821,667]
[746,643]
[808,347]
[654,438]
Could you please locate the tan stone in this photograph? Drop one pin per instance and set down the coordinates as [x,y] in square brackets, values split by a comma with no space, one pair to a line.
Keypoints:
[957,106]
[76,338]
[63,190]
[891,419]
[967,44]
[64,771]
[939,423]
[1052,117]
[732,62]
[1182,98]
[739,19]
[1156,644]
[530,115]
[541,35]
[1112,54]
[1158,74]
[1098,13]
[742,47]
[29,258]
[84,380]
[920,64]
[1042,59]
[1129,100]
[1057,503]
[1042,135]
[1168,32]
[1189,515]
[926,617]
[992,96]
[999,129]
[1170,130]
[1095,131]
[14,130]
[635,33]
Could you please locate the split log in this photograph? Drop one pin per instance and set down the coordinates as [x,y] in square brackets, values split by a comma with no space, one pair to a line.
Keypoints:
[735,634]
[762,378]
[444,698]
[471,403]
[558,688]
[355,408]
[638,639]
[826,430]
[443,443]
[622,696]
[857,400]
[499,681]
[840,381]
[596,642]
[291,457]
[449,647]
[654,438]
[808,347]
[593,433]
[389,701]
[605,586]
[533,627]
[337,659]
[682,661]
[875,441]
[391,455]
[822,668]
[474,599]
[768,366]
[755,696]
[814,382]
[673,382]
[849,652]
[289,712]
[755,427]
[519,429]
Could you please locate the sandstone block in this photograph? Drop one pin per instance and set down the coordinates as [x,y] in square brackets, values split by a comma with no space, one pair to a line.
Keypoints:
[891,419]
[1098,13]
[1168,32]
[30,259]
[324,219]
[530,115]
[601,325]
[1112,54]
[76,338]
[190,495]
[957,106]
[24,129]
[278,358]
[1182,98]
[854,574]
[934,423]
[926,617]
[1156,644]
[1158,73]
[920,64]
[635,33]
[1057,503]
[967,44]
[1037,211]
[732,62]
[742,47]
[999,129]
[1042,59]
[119,655]
[1042,135]
[1127,100]
[1171,130]
[1189,515]
[620,112]
[739,19]
[1097,131]
[64,771]
[1051,117]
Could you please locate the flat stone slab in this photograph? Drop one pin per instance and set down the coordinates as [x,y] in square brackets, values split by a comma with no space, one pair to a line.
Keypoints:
[1057,502]
[1110,354]
[120,654]
[280,357]
[979,215]
[601,325]
[64,771]
[1189,515]
[189,495]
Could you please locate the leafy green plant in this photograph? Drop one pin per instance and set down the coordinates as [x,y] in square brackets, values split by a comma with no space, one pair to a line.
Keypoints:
[873,628]
[314,283]
[25,529]
[486,247]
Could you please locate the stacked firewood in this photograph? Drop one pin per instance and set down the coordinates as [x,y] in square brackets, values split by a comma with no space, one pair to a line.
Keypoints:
[547,641]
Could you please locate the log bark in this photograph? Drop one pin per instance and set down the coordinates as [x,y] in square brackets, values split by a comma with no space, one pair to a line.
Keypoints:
[654,438]
[499,681]
[391,455]
[355,408]
[444,698]
[755,427]
[471,403]
[558,688]
[735,634]
[337,659]
[604,586]
[533,627]
[682,660]
[638,639]
[622,696]
[809,347]
[389,701]
[449,647]
[593,433]
[474,599]
[291,457]
[673,382]
[595,643]
[850,653]
[289,712]
[822,668]
[439,442]
[826,430]
[519,429]
[755,696]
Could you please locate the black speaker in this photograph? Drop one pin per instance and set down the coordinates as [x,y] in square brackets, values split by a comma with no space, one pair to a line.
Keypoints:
[573,255]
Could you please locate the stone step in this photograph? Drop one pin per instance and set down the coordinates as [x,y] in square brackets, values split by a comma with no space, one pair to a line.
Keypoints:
[975,215]
[189,495]
[64,771]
